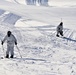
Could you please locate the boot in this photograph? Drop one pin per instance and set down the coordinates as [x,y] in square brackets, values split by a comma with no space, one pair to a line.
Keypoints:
[7,56]
[61,33]
[57,35]
[11,56]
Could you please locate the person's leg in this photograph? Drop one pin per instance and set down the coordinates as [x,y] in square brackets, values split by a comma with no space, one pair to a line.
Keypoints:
[12,52]
[57,34]
[61,33]
[7,52]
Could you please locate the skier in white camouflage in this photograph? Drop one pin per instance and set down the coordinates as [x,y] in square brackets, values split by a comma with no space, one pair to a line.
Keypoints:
[60,29]
[11,40]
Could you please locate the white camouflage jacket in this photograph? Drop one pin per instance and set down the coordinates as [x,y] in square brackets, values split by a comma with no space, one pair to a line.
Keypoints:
[10,40]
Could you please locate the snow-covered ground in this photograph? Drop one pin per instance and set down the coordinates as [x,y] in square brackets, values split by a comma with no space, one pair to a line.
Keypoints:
[35,28]
[59,3]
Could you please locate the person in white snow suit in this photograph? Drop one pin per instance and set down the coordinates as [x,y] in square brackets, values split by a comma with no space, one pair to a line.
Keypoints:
[11,40]
[60,29]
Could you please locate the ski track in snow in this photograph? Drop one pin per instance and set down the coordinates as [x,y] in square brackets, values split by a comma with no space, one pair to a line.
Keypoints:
[43,53]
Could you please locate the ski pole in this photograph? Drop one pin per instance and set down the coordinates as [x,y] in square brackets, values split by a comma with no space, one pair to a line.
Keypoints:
[19,51]
[3,50]
[61,19]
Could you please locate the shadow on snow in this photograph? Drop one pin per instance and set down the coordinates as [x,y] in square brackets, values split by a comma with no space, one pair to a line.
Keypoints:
[30,59]
[69,39]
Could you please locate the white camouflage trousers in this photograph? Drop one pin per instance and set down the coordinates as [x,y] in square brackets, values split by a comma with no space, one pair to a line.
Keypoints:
[10,49]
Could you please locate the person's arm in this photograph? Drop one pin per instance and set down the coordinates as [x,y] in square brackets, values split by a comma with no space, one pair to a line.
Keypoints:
[5,38]
[58,28]
[62,27]
[15,40]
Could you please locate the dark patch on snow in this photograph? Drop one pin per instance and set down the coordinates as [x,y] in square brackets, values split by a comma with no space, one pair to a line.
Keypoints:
[69,39]
[11,19]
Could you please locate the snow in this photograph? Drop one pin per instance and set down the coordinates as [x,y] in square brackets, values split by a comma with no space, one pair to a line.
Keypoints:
[58,3]
[62,3]
[35,28]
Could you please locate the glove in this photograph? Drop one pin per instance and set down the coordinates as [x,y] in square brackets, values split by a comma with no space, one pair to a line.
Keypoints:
[2,42]
[15,43]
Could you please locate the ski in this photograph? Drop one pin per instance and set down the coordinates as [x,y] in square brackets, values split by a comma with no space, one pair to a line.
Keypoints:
[7,58]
